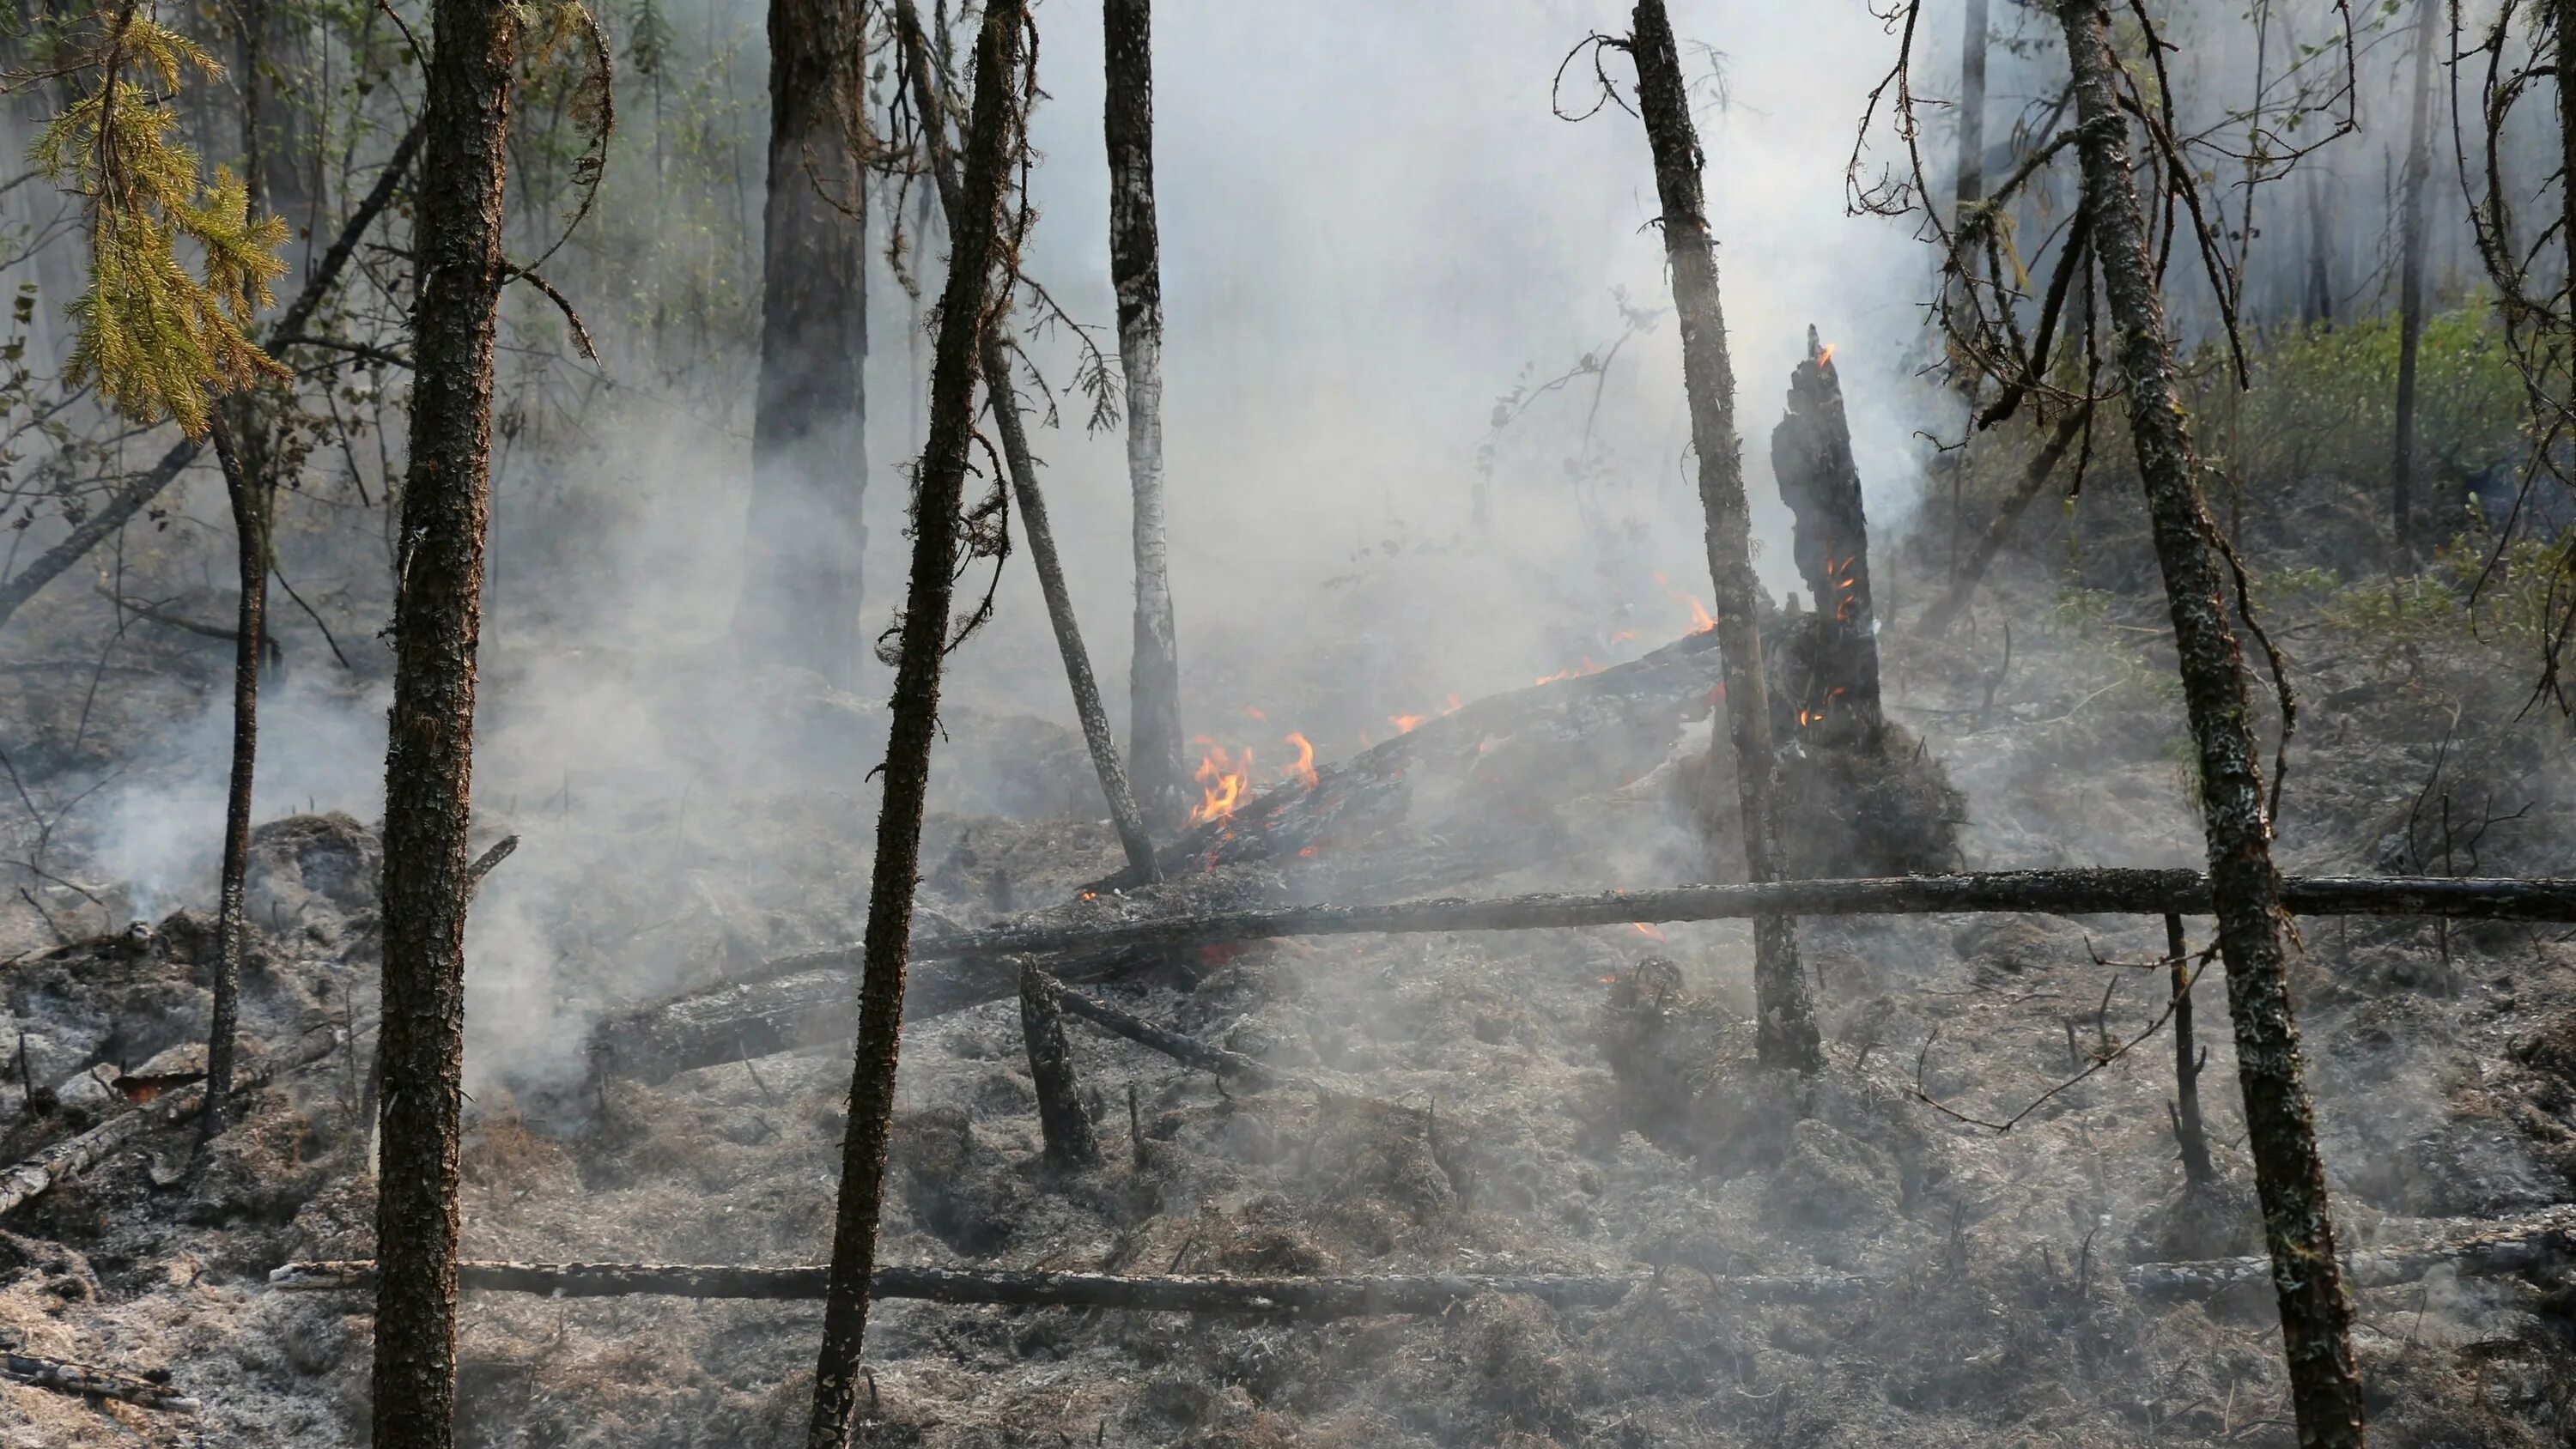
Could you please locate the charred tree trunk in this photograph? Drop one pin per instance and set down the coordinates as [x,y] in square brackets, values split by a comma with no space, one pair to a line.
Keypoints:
[804,535]
[1129,821]
[2410,291]
[438,619]
[2191,1134]
[1787,1028]
[1837,703]
[2316,1316]
[1135,268]
[2318,291]
[1070,1142]
[1999,529]
[993,143]
[245,480]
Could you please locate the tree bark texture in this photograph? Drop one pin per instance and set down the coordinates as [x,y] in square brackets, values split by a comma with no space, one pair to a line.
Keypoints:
[1012,424]
[1999,529]
[2410,290]
[2290,1181]
[2191,1133]
[118,509]
[245,482]
[804,533]
[1070,1142]
[438,618]
[1837,701]
[1786,1027]
[992,148]
[1136,271]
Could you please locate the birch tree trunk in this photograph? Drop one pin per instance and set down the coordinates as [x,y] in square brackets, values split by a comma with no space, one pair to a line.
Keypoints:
[1135,268]
[244,481]
[1786,1031]
[804,535]
[993,143]
[2410,290]
[2290,1180]
[1012,424]
[438,616]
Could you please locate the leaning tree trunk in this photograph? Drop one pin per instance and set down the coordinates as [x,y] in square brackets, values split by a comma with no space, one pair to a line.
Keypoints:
[804,535]
[2410,291]
[1786,1032]
[976,244]
[245,477]
[438,618]
[1135,267]
[1008,420]
[2290,1179]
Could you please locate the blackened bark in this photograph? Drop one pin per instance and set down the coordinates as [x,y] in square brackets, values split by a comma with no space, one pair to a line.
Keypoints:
[245,481]
[438,617]
[1811,458]
[2191,1134]
[1971,186]
[2289,1175]
[2410,290]
[2317,307]
[119,508]
[1003,396]
[1070,1142]
[1999,529]
[993,144]
[804,535]
[1135,269]
[1786,1029]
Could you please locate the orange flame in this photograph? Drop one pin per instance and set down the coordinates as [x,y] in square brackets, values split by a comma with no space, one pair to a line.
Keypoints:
[1649,932]
[1701,620]
[1587,666]
[1222,780]
[1254,714]
[1826,357]
[1405,723]
[1304,770]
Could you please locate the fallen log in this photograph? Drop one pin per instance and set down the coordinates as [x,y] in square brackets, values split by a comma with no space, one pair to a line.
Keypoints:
[1310,1298]
[767,1014]
[2476,1247]
[32,1176]
[1189,1051]
[94,1383]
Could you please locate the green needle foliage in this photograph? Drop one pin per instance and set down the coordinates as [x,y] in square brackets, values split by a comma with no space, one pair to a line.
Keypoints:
[157,339]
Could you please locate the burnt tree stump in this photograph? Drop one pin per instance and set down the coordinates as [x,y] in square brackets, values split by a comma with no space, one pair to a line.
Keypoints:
[1070,1141]
[1829,677]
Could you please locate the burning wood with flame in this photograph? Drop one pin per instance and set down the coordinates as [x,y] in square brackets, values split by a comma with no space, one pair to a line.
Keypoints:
[1829,675]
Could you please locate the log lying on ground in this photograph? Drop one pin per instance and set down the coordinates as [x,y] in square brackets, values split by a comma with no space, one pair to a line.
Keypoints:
[1312,1298]
[33,1175]
[763,1017]
[2475,1247]
[1189,1051]
[93,1383]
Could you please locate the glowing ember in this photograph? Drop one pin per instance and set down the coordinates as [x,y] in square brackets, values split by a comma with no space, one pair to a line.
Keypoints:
[1587,666]
[1304,769]
[1826,357]
[1404,723]
[1255,715]
[1649,932]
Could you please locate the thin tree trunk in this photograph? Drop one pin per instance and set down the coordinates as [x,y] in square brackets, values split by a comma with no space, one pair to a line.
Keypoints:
[2191,1134]
[993,143]
[1013,425]
[2410,291]
[2319,290]
[804,534]
[119,508]
[2290,1180]
[1135,268]
[1786,1030]
[245,482]
[438,619]
[1999,529]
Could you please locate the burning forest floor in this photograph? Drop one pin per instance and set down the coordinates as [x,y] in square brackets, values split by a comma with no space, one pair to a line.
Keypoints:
[1498,1103]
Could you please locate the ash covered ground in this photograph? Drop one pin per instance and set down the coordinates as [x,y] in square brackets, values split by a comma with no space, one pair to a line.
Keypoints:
[1497,1103]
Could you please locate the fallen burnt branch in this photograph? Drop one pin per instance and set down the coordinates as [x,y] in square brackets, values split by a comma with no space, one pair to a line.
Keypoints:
[31,1176]
[1312,1298]
[94,1383]
[2475,1247]
[811,1001]
[1189,1051]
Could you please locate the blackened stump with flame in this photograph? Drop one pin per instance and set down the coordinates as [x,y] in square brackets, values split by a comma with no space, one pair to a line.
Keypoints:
[1829,673]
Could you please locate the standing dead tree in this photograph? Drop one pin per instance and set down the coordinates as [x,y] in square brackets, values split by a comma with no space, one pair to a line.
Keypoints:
[2410,289]
[1135,268]
[2125,247]
[429,759]
[1003,76]
[1811,456]
[929,105]
[1786,1027]
[246,483]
